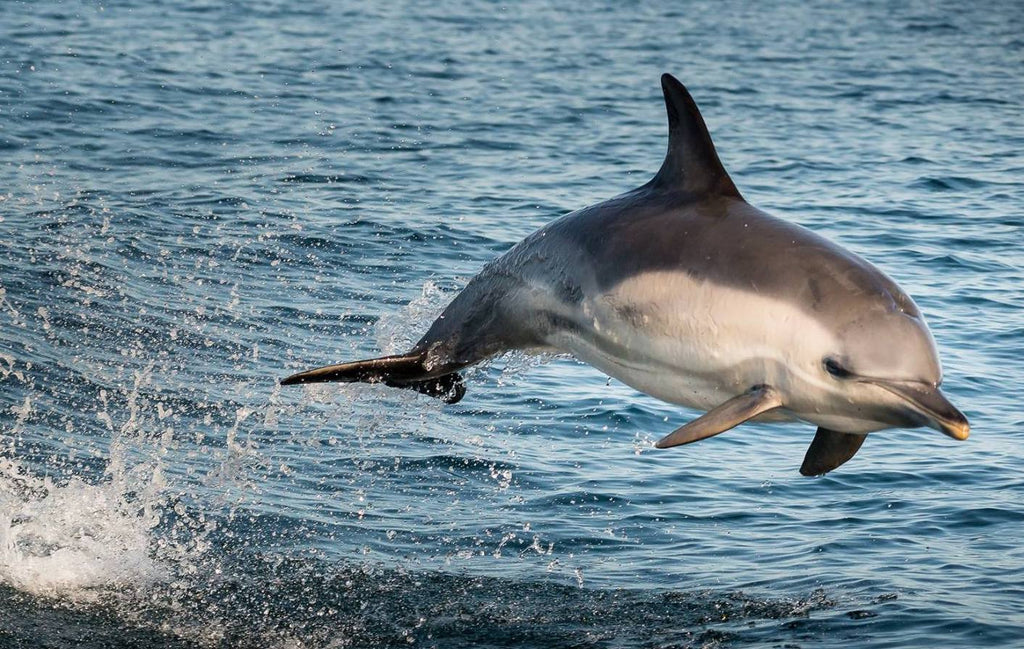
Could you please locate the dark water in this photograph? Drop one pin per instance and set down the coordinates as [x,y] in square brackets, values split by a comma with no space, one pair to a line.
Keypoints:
[198,198]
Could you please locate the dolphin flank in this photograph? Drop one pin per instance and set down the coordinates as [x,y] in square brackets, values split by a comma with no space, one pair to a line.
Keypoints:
[683,290]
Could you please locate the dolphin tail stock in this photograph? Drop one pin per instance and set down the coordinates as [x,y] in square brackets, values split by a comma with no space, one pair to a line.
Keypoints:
[472,328]
[409,371]
[755,401]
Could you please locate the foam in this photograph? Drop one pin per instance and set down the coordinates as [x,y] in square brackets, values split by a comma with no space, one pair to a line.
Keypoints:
[72,540]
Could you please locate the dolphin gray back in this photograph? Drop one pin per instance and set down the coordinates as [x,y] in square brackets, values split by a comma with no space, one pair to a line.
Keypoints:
[715,239]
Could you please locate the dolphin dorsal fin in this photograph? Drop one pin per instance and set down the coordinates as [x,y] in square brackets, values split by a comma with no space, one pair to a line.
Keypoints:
[691,163]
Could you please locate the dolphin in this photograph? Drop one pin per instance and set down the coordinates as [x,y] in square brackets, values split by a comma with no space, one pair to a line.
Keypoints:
[683,290]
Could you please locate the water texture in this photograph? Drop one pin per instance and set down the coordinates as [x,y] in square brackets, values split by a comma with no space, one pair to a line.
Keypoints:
[199,198]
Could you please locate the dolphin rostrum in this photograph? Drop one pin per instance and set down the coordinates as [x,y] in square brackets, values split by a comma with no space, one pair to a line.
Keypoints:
[683,290]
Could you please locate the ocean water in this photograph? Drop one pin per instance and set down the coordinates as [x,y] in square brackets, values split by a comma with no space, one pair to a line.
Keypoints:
[199,198]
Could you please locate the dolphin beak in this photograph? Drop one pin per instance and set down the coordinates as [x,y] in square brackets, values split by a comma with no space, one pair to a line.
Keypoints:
[929,402]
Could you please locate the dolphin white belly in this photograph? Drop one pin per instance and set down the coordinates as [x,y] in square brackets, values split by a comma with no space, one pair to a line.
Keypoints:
[684,340]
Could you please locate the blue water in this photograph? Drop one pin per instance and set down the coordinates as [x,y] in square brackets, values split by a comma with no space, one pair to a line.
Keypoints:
[198,199]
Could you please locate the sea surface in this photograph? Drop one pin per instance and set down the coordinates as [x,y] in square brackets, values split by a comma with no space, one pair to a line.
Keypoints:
[198,198]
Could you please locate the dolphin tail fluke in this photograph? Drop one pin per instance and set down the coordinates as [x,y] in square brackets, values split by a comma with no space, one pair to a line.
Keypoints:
[732,413]
[829,450]
[407,371]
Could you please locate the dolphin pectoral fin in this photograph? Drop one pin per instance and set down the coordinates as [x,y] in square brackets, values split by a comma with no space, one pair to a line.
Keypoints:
[730,414]
[830,450]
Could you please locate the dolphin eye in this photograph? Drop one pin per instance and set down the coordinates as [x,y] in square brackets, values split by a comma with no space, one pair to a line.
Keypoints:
[833,367]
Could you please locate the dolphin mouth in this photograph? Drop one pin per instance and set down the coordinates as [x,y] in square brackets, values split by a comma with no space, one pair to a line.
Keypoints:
[930,403]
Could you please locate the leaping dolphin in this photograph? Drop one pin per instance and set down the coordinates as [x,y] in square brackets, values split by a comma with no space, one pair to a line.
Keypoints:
[683,290]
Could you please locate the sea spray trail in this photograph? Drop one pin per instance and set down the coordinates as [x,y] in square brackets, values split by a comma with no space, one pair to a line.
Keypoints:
[196,200]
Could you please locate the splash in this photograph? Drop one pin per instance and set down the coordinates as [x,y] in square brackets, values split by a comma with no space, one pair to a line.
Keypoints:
[398,331]
[71,540]
[77,538]
[517,364]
